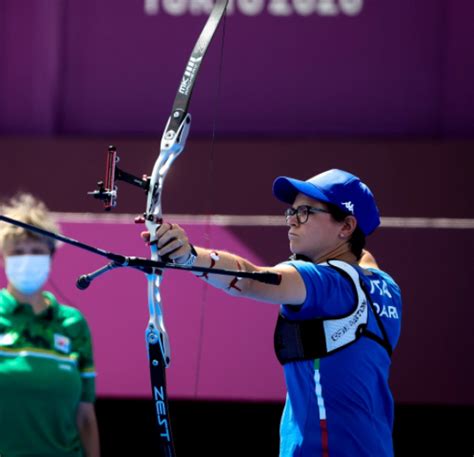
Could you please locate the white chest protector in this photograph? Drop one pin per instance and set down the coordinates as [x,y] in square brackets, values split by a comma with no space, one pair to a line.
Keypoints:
[315,338]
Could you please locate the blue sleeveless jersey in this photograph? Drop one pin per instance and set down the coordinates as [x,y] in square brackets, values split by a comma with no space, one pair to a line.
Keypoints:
[341,405]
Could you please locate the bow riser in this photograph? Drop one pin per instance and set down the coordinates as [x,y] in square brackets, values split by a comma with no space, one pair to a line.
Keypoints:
[171,149]
[172,145]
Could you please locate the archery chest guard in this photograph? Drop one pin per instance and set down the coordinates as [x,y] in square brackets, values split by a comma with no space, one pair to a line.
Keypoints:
[309,339]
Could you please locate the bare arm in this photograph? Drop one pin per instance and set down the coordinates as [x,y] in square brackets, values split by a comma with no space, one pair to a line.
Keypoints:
[172,241]
[88,430]
[291,289]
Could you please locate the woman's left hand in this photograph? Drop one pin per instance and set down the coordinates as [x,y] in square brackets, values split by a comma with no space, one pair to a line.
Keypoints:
[172,242]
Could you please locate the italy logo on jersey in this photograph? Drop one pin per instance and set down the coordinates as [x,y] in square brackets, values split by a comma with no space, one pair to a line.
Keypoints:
[62,343]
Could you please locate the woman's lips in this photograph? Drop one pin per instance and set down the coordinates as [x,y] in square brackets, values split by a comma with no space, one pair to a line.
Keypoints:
[292,236]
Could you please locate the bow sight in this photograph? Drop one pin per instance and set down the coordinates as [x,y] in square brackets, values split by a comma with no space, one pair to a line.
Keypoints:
[107,190]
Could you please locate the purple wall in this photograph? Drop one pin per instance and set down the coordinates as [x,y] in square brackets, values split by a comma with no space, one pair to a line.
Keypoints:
[88,67]
[30,76]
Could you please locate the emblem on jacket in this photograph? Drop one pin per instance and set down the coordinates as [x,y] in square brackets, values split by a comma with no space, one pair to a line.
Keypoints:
[62,343]
[7,339]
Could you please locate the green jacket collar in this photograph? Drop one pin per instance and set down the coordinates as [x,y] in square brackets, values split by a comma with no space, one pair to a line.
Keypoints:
[9,304]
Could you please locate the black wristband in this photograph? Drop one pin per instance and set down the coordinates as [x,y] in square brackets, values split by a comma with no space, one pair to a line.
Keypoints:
[192,257]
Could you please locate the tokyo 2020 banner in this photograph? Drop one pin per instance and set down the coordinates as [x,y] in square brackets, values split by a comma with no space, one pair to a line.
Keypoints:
[284,67]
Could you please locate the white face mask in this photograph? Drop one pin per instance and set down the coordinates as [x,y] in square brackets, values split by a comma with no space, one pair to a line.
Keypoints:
[27,273]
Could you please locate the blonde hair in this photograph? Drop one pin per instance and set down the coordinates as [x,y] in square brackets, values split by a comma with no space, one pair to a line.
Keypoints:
[26,208]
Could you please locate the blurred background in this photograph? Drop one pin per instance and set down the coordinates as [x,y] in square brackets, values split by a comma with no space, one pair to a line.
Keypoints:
[288,87]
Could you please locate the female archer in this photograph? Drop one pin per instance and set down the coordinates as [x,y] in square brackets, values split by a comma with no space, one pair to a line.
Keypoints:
[331,338]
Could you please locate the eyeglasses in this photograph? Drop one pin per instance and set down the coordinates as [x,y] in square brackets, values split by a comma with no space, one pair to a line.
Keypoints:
[302,213]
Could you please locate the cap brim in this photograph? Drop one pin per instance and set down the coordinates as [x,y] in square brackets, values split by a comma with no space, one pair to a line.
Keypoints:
[286,189]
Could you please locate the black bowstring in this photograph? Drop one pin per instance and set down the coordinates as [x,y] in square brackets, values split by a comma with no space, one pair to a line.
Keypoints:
[210,204]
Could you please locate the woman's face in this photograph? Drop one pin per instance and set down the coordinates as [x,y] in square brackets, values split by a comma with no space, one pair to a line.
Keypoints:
[27,265]
[318,236]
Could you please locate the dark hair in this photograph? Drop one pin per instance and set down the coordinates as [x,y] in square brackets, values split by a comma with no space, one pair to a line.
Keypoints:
[357,240]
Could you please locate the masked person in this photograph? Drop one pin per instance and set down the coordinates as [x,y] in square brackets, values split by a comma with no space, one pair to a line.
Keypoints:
[339,316]
[47,387]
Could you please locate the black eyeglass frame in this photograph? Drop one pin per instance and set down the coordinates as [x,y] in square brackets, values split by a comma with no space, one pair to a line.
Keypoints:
[303,211]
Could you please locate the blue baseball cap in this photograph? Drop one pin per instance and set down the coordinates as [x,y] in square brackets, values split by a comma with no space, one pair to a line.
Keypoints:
[338,188]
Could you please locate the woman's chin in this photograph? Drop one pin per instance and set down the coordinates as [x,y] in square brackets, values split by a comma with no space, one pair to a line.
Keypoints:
[295,251]
[294,247]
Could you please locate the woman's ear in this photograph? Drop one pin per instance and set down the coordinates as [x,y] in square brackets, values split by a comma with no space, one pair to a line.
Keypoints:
[347,228]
